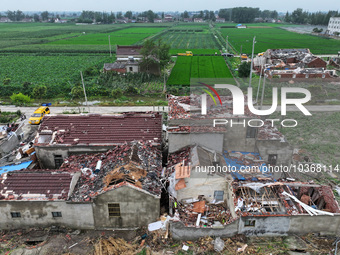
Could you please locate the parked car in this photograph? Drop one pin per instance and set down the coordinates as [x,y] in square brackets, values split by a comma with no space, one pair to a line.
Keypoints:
[39,113]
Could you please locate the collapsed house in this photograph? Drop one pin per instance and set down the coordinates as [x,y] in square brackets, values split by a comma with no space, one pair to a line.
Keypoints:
[61,136]
[225,180]
[292,64]
[117,189]
[229,200]
[186,127]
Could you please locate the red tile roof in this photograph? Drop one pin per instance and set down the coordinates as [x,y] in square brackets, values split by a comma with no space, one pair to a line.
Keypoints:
[103,129]
[35,186]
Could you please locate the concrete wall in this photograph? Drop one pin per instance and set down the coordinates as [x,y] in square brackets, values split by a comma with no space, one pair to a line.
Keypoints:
[302,224]
[235,139]
[270,226]
[135,68]
[39,214]
[283,150]
[9,144]
[212,141]
[46,154]
[180,232]
[137,208]
[264,226]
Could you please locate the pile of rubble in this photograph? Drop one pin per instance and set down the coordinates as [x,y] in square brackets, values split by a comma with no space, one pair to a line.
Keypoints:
[267,132]
[113,246]
[138,163]
[201,213]
[179,107]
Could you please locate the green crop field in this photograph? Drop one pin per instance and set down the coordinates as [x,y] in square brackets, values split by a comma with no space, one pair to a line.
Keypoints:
[126,36]
[198,67]
[195,51]
[276,38]
[71,38]
[58,72]
[190,40]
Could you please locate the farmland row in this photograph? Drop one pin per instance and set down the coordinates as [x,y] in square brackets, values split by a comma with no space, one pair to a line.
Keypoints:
[198,67]
[277,38]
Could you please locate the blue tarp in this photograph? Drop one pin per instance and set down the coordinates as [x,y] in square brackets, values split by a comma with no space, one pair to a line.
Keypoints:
[13,167]
[235,164]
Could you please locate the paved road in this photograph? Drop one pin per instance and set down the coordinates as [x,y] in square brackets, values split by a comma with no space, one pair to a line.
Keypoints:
[117,109]
[92,109]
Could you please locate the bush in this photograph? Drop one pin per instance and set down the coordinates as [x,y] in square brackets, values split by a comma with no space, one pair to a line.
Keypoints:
[6,81]
[116,93]
[39,91]
[20,99]
[77,92]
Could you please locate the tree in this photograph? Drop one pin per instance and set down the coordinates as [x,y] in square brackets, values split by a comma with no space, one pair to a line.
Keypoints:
[212,16]
[10,15]
[19,15]
[224,13]
[36,17]
[185,15]
[39,91]
[287,17]
[245,14]
[150,16]
[155,53]
[44,15]
[119,15]
[128,15]
[244,69]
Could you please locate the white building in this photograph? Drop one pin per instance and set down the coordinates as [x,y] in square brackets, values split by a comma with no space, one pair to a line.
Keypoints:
[333,25]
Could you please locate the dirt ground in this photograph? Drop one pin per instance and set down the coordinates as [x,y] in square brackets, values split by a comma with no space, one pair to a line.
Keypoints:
[61,241]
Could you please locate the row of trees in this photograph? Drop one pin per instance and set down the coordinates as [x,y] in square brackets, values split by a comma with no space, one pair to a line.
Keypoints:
[238,15]
[108,18]
[19,16]
[299,16]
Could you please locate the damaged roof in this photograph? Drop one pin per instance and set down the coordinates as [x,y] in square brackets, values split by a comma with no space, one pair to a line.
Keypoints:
[100,129]
[23,185]
[137,165]
[188,107]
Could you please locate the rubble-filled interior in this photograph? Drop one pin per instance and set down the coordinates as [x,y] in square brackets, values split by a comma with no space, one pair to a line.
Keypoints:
[138,164]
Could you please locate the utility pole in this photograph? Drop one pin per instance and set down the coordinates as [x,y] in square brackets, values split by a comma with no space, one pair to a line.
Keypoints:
[226,46]
[164,87]
[258,88]
[82,80]
[110,46]
[264,86]
[251,63]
